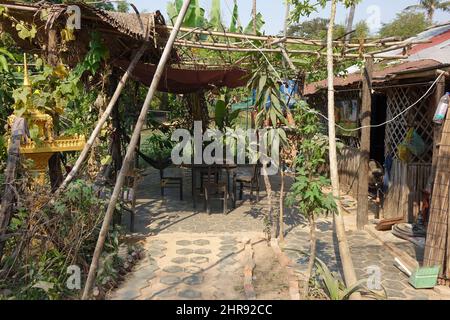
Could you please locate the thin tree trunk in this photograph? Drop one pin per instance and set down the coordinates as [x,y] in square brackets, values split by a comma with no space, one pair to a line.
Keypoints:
[116,146]
[131,150]
[281,217]
[347,264]
[312,256]
[93,161]
[430,15]
[286,17]
[350,19]
[254,14]
[268,186]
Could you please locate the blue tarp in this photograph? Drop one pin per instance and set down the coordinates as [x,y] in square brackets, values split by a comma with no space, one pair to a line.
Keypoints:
[288,92]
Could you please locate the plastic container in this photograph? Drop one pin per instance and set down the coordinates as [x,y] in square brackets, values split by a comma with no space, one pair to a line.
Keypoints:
[425,278]
[442,109]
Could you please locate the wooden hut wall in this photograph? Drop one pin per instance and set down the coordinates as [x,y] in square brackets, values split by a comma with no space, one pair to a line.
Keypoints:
[348,165]
[408,180]
[348,156]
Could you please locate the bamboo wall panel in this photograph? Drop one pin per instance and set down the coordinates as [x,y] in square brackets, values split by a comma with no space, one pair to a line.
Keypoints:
[437,249]
[418,117]
[404,197]
[348,166]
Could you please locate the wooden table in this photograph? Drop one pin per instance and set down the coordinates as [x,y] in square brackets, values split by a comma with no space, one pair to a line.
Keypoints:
[199,167]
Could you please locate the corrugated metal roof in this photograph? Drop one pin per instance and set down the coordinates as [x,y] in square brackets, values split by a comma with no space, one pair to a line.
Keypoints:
[379,76]
[439,52]
[422,56]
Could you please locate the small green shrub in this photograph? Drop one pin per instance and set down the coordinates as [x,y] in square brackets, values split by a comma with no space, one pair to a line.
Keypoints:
[158,146]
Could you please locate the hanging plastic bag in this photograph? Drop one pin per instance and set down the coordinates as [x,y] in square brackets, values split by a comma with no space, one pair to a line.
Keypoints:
[403,153]
[412,145]
[416,144]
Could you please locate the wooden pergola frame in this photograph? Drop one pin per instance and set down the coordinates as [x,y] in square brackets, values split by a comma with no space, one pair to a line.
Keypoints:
[220,41]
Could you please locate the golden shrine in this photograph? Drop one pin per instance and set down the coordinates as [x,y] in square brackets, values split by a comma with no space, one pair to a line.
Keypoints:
[41,151]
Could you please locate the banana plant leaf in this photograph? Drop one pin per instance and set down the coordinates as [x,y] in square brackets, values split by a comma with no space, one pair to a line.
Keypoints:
[234,26]
[259,24]
[215,16]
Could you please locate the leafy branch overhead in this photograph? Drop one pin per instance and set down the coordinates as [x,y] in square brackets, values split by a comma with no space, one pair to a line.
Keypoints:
[304,8]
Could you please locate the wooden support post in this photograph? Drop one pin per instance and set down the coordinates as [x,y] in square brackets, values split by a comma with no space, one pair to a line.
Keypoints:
[437,129]
[103,118]
[344,251]
[362,218]
[116,145]
[54,163]
[52,48]
[131,150]
[9,192]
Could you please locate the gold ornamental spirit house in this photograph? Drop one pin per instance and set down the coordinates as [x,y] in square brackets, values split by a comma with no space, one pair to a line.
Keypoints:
[41,149]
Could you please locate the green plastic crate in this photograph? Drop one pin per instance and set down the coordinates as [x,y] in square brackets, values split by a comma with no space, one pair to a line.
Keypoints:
[424,278]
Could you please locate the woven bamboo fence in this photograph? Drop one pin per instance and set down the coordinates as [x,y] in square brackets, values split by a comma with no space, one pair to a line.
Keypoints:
[407,180]
[437,249]
[406,183]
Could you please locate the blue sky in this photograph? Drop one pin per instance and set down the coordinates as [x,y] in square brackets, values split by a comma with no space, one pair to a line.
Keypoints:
[373,11]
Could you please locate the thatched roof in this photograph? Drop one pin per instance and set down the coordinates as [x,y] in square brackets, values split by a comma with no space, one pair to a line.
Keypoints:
[122,33]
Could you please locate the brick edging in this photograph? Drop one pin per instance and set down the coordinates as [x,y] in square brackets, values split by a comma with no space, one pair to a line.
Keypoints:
[285,262]
[249,266]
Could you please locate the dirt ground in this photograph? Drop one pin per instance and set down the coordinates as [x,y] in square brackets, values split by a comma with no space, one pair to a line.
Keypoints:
[270,279]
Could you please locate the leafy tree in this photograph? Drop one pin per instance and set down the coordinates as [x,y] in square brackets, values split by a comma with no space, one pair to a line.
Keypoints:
[317,29]
[123,6]
[362,30]
[405,25]
[306,192]
[304,8]
[311,29]
[430,7]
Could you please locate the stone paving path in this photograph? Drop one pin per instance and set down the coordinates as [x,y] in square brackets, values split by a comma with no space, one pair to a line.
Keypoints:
[367,255]
[186,266]
[192,255]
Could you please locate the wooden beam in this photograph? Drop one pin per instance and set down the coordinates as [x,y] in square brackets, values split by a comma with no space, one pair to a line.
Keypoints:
[362,218]
[200,45]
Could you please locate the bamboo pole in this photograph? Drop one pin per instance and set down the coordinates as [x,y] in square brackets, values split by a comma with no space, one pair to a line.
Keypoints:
[221,47]
[103,118]
[362,217]
[344,251]
[131,149]
[293,40]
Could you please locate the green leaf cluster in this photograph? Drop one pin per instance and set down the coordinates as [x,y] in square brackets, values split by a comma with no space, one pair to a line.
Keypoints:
[307,193]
